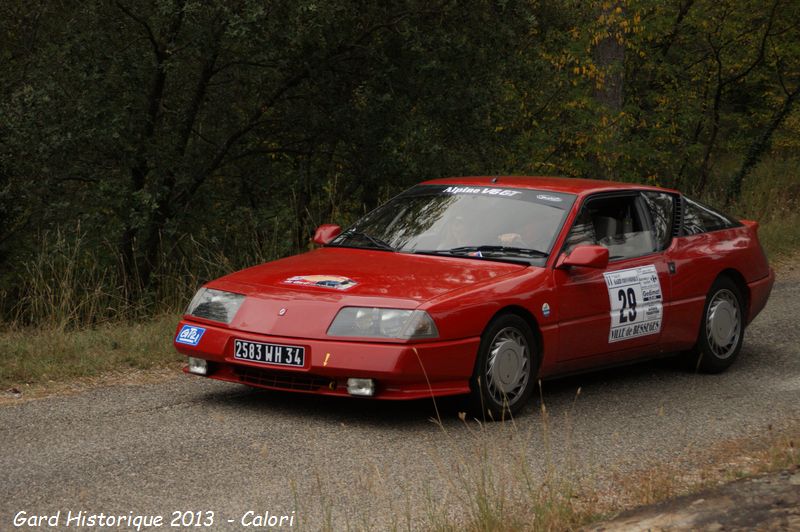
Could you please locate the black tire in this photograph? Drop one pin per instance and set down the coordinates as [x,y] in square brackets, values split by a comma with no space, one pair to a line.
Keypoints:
[503,377]
[721,328]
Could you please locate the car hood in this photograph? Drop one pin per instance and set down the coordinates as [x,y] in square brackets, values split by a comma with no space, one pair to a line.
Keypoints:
[300,295]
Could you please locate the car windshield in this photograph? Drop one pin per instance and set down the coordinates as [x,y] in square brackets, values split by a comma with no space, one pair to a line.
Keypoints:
[464,220]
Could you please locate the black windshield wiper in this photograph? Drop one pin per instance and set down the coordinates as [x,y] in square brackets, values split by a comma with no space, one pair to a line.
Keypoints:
[502,250]
[375,241]
[488,251]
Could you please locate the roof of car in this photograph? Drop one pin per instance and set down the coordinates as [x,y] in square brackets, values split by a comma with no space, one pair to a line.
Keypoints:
[556,184]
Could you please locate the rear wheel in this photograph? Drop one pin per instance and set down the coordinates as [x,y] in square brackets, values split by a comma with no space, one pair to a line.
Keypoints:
[722,327]
[502,380]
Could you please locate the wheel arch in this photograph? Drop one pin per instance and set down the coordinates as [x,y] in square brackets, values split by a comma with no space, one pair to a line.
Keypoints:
[529,318]
[741,283]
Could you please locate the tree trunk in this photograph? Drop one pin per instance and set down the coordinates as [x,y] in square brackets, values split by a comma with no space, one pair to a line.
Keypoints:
[609,56]
[134,274]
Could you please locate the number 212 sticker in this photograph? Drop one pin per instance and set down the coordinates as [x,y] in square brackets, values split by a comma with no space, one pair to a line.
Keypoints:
[636,303]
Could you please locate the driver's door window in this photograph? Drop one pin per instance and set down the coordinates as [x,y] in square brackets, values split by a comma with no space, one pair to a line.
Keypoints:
[615,222]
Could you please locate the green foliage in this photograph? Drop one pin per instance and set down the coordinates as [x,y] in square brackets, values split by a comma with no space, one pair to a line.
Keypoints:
[164,134]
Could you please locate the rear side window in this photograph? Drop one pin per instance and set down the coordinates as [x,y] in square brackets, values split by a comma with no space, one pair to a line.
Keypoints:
[699,218]
[661,207]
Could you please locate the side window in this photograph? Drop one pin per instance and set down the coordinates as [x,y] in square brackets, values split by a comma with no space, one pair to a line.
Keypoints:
[615,222]
[661,207]
[699,218]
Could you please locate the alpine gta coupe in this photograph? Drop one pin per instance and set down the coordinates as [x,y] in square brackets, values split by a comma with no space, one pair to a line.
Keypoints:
[483,285]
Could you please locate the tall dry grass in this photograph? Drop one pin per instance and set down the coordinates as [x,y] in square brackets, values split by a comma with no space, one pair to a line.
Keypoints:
[71,314]
[68,284]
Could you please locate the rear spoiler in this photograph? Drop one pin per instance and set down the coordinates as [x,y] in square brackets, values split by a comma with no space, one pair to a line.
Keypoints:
[751,224]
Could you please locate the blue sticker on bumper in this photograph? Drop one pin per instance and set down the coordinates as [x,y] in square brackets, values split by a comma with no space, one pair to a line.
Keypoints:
[190,335]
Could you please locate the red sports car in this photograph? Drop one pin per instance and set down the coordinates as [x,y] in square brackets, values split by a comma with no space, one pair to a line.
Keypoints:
[481,286]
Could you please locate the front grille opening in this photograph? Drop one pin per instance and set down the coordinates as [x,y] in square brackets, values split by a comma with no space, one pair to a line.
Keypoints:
[280,379]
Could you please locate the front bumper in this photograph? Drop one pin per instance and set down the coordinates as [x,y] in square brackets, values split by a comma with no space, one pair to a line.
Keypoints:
[400,371]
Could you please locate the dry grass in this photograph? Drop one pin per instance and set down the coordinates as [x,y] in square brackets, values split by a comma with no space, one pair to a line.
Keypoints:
[489,481]
[725,462]
[491,499]
[45,357]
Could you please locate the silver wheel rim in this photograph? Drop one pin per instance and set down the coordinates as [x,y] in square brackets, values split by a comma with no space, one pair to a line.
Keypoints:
[508,366]
[723,324]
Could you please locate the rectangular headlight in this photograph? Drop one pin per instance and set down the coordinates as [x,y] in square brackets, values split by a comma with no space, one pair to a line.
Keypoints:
[215,305]
[374,322]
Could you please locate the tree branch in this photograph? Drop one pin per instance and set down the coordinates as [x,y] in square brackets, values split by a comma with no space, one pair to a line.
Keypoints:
[150,35]
[673,34]
[206,73]
[761,49]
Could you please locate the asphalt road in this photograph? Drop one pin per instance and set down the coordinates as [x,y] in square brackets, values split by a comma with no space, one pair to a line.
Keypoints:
[195,445]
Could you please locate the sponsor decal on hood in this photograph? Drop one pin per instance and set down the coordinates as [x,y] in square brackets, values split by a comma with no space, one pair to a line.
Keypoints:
[336,282]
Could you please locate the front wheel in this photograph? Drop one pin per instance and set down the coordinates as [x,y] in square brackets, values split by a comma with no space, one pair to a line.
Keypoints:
[722,328]
[502,380]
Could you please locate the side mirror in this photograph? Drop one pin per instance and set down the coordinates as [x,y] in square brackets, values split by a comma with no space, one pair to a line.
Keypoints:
[325,233]
[584,256]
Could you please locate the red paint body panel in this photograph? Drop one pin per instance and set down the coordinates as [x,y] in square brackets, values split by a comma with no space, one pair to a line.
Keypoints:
[382,279]
[462,295]
[584,324]
[377,274]
[699,260]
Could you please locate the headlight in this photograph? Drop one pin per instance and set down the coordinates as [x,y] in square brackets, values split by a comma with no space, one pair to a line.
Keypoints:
[373,322]
[215,305]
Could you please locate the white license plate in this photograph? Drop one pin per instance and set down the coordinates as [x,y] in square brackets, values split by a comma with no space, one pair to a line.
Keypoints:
[282,355]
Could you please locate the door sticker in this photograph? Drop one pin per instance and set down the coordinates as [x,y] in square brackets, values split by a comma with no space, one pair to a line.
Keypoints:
[636,303]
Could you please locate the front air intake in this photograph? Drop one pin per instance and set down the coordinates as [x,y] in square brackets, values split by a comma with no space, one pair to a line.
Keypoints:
[280,379]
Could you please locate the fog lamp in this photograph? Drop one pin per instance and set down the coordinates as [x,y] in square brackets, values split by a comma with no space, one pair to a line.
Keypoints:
[198,366]
[365,387]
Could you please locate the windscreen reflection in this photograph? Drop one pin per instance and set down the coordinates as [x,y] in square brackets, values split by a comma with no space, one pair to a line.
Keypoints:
[478,221]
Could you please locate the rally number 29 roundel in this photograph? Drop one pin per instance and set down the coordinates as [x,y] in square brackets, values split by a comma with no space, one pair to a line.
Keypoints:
[480,286]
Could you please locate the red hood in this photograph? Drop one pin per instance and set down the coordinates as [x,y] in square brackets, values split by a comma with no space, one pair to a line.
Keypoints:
[371,278]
